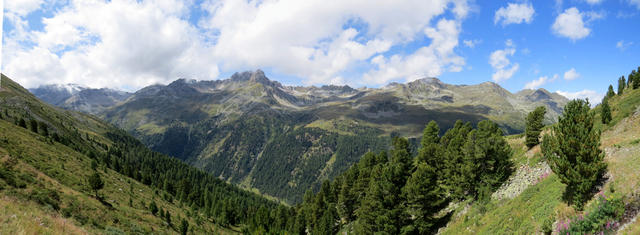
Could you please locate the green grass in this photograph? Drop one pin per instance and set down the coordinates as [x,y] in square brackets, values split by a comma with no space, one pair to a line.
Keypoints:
[43,165]
[524,214]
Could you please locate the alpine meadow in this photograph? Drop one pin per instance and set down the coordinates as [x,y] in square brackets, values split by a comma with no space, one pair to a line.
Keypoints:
[319,117]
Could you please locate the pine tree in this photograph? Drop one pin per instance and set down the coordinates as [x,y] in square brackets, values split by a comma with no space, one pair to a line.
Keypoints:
[606,111]
[453,173]
[534,126]
[487,160]
[621,85]
[184,227]
[382,209]
[22,123]
[346,198]
[573,152]
[635,78]
[96,183]
[430,151]
[153,207]
[425,197]
[610,92]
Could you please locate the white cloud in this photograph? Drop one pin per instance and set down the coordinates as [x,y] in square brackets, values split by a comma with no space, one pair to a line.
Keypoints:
[622,45]
[570,24]
[428,61]
[308,38]
[130,44]
[471,43]
[535,84]
[514,14]
[635,2]
[124,44]
[22,7]
[594,97]
[571,74]
[593,2]
[503,66]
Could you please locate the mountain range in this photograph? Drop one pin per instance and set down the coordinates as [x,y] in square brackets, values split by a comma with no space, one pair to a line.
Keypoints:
[281,140]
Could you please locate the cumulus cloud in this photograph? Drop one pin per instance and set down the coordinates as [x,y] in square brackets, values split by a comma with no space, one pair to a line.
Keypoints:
[131,44]
[428,61]
[571,74]
[500,62]
[514,13]
[570,24]
[308,38]
[471,43]
[22,7]
[113,44]
[622,45]
[535,84]
[594,97]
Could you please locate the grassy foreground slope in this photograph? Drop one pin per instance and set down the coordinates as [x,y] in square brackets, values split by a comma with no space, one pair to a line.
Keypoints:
[47,156]
[540,202]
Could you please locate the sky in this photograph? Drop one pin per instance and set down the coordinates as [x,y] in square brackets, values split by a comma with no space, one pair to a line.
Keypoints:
[573,47]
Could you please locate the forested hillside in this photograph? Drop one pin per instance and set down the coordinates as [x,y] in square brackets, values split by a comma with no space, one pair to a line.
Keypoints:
[66,172]
[281,140]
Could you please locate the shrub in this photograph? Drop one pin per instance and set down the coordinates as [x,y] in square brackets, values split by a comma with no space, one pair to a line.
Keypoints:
[603,217]
[46,197]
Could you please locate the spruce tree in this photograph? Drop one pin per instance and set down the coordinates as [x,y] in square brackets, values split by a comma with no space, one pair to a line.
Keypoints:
[153,208]
[382,209]
[621,85]
[534,126]
[606,111]
[430,151]
[184,227]
[96,183]
[454,172]
[487,160]
[573,152]
[424,197]
[610,92]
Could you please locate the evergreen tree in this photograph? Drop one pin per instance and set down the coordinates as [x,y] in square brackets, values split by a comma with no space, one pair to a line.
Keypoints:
[382,210]
[487,160]
[33,126]
[425,197]
[430,151]
[610,92]
[534,126]
[621,85]
[606,111]
[327,223]
[635,78]
[346,197]
[573,152]
[96,183]
[153,208]
[454,171]
[184,227]
[167,217]
[22,123]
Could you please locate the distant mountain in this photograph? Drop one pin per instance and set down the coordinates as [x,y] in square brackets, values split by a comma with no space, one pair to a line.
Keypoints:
[282,140]
[47,158]
[75,97]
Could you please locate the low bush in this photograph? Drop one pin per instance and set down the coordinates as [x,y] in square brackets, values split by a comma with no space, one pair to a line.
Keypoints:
[602,218]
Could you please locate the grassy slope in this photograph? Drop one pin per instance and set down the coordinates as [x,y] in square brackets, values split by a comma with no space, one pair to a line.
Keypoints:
[45,166]
[525,213]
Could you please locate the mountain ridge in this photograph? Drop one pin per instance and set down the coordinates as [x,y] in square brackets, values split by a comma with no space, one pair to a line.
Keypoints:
[247,126]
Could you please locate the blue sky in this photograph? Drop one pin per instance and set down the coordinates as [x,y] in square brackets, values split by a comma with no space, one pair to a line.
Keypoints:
[576,47]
